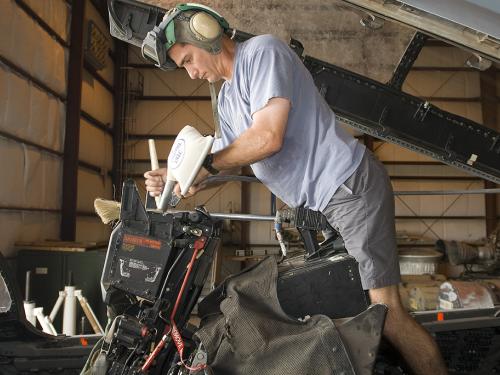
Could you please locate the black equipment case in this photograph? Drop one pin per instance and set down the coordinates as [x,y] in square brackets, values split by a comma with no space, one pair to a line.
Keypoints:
[329,286]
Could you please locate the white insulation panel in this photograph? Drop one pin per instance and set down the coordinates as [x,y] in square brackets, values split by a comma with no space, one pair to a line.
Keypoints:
[96,147]
[91,229]
[26,226]
[56,13]
[30,47]
[90,187]
[30,178]
[442,84]
[138,149]
[96,100]
[29,112]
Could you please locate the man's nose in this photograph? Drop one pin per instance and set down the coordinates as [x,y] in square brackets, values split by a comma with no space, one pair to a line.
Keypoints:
[192,73]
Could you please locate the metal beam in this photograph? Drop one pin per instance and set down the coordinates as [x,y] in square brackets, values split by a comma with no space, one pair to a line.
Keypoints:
[48,150]
[49,210]
[161,137]
[464,69]
[428,217]
[456,99]
[408,121]
[95,122]
[95,74]
[30,209]
[409,56]
[44,25]
[488,87]
[410,162]
[441,178]
[368,141]
[72,134]
[30,143]
[119,114]
[24,74]
[173,98]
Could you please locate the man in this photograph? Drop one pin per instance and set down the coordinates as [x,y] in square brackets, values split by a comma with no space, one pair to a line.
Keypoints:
[274,119]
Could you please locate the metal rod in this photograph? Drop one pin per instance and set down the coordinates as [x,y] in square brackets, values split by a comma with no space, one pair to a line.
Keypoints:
[232,178]
[449,192]
[243,217]
[27,294]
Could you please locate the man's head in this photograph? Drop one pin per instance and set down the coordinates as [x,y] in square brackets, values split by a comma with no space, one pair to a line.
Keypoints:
[186,24]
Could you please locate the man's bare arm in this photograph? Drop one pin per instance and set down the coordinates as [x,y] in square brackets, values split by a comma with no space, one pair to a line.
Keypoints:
[263,139]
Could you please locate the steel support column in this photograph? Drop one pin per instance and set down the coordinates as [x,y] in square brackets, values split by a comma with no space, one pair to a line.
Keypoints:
[489,108]
[119,111]
[72,134]
[245,209]
[368,141]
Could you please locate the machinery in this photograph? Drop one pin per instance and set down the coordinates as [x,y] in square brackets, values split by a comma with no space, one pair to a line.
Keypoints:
[155,269]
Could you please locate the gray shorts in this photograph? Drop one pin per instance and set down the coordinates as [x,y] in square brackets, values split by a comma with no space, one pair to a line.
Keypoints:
[362,211]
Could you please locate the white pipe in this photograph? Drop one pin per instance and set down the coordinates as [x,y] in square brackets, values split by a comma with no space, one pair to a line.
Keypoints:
[69,314]
[50,325]
[57,305]
[30,314]
[41,319]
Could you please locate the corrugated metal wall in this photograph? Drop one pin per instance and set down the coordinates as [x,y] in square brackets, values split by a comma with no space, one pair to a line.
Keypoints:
[34,52]
[96,143]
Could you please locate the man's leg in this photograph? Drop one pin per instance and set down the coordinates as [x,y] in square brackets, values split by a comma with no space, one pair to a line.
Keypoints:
[414,343]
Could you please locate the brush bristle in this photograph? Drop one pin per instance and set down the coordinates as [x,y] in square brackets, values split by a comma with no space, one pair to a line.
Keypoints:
[107,210]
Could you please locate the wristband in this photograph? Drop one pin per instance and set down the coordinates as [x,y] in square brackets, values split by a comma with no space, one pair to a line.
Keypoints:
[207,164]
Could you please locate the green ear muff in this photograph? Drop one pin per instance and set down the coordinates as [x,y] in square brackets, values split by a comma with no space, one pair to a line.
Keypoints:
[203,28]
[203,8]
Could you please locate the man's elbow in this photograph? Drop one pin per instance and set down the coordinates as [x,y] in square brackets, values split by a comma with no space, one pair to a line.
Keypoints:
[275,146]
[272,145]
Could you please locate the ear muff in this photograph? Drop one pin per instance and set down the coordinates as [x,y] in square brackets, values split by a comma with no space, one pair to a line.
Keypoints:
[197,24]
[186,23]
[205,27]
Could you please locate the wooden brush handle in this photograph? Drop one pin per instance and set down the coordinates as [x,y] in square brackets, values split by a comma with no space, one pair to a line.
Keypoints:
[154,162]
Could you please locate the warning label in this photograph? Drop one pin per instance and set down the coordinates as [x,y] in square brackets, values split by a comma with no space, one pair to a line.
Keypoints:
[141,241]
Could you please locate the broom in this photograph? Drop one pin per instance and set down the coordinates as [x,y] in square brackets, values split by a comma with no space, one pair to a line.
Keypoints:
[108,210]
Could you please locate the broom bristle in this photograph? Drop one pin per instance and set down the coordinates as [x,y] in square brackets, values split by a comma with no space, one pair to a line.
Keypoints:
[107,210]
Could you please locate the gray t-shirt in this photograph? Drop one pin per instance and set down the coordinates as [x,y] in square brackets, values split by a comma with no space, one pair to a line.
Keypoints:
[317,155]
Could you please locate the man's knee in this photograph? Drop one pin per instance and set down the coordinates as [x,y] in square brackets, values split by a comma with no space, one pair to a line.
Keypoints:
[396,314]
[388,295]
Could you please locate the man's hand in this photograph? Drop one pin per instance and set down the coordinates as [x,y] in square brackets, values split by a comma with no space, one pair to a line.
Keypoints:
[197,185]
[155,181]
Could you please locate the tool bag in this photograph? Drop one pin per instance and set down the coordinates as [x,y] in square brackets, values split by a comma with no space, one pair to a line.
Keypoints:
[245,331]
